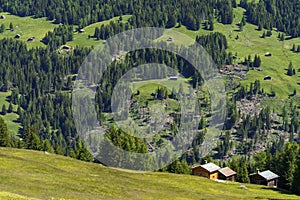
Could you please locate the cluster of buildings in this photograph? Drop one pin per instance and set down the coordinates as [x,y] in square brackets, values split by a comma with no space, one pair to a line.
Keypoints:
[214,172]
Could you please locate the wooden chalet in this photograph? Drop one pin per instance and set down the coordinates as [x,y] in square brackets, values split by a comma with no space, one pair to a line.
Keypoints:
[209,170]
[170,39]
[268,54]
[267,178]
[227,174]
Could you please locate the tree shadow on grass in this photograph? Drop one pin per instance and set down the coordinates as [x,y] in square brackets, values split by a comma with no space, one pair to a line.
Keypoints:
[281,191]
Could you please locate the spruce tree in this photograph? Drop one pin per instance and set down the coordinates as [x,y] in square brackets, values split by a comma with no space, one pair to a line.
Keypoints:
[290,70]
[4,110]
[4,135]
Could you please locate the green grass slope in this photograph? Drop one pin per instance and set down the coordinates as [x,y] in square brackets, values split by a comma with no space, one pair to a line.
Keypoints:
[27,27]
[249,42]
[10,118]
[34,175]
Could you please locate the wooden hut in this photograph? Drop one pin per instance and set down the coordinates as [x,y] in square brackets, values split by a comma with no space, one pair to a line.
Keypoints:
[227,174]
[267,178]
[268,54]
[209,170]
[170,39]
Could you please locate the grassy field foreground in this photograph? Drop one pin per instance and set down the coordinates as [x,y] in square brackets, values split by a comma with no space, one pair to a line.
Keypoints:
[35,175]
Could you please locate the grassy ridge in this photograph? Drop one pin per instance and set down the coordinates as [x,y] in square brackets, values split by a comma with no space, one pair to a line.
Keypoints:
[29,174]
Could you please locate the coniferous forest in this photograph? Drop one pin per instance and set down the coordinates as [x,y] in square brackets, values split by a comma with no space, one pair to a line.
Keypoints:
[41,80]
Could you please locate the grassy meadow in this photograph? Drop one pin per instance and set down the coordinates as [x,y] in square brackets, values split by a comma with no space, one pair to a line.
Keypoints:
[9,118]
[35,175]
[82,39]
[27,27]
[249,42]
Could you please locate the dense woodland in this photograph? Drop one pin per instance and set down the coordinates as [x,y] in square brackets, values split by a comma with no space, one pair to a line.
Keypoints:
[42,82]
[83,13]
[281,14]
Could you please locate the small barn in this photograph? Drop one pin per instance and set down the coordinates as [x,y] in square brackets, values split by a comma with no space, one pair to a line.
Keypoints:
[2,17]
[268,54]
[66,48]
[30,39]
[209,170]
[81,31]
[267,178]
[170,39]
[227,174]
[17,36]
[268,78]
[173,78]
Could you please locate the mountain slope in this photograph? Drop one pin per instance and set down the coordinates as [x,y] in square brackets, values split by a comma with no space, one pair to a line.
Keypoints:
[28,174]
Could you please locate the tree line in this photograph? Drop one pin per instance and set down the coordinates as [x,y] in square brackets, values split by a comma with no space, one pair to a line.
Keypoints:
[145,13]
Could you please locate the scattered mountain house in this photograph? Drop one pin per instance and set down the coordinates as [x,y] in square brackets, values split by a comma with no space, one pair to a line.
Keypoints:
[67,48]
[267,78]
[18,36]
[268,54]
[173,78]
[267,178]
[2,17]
[209,170]
[170,39]
[81,31]
[227,174]
[30,39]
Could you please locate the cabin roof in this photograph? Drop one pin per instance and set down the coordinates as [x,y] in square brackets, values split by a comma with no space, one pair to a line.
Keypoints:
[226,171]
[211,167]
[268,175]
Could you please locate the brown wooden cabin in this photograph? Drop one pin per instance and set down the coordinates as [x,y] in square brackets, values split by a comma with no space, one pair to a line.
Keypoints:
[209,170]
[267,178]
[227,174]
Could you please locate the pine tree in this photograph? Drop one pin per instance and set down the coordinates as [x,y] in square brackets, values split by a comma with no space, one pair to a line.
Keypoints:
[296,180]
[4,110]
[290,70]
[294,48]
[257,61]
[4,135]
[47,146]
[2,28]
[85,155]
[10,108]
[287,165]
[11,26]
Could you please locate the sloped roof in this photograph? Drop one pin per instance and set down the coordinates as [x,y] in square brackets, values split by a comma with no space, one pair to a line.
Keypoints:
[268,175]
[226,171]
[211,167]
